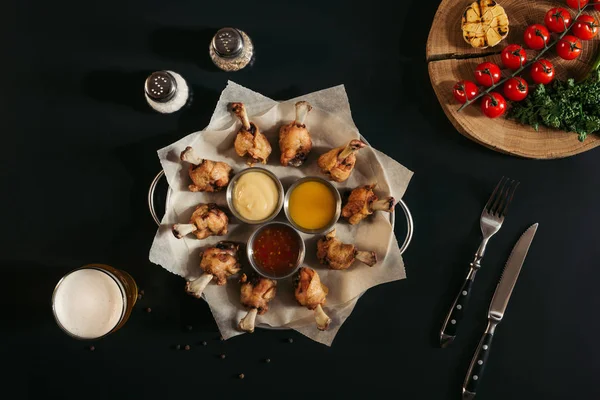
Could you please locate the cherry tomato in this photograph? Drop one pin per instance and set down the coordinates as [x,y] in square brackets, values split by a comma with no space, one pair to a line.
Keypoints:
[569,47]
[557,19]
[516,89]
[464,90]
[577,4]
[585,27]
[487,73]
[542,71]
[513,56]
[536,36]
[493,105]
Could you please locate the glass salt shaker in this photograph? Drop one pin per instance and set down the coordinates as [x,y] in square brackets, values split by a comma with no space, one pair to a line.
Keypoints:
[231,49]
[166,91]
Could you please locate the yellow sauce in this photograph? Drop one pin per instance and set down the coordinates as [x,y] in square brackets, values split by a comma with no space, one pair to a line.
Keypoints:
[312,205]
[255,196]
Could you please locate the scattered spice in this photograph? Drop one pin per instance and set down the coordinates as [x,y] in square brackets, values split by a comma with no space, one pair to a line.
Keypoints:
[268,360]
[242,376]
[139,296]
[189,327]
[148,310]
[187,347]
[92,348]
[142,292]
[223,356]
[291,340]
[204,343]
[178,347]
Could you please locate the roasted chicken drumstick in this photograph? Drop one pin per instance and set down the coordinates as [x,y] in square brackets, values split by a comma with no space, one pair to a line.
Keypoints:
[207,220]
[337,255]
[311,293]
[339,162]
[294,138]
[207,175]
[249,140]
[256,292]
[362,202]
[218,263]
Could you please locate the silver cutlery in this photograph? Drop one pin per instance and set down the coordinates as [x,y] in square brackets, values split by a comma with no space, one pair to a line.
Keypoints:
[492,218]
[497,309]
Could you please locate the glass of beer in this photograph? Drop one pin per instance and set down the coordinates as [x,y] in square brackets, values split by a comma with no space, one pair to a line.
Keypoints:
[93,301]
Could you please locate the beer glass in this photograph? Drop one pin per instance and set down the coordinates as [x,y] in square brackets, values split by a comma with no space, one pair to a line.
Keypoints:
[93,301]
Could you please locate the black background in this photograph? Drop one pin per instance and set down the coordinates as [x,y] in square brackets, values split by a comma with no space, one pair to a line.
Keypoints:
[79,151]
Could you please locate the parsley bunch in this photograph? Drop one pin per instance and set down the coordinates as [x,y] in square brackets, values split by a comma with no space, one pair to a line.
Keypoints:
[570,106]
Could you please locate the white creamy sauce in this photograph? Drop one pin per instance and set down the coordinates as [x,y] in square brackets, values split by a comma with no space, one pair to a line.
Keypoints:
[255,196]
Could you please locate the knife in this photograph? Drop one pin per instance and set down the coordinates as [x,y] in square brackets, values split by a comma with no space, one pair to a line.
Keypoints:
[497,309]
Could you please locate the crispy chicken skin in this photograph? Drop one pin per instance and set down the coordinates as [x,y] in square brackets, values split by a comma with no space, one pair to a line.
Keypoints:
[339,162]
[256,293]
[362,202]
[221,261]
[206,175]
[218,263]
[207,220]
[312,294]
[294,138]
[337,255]
[249,140]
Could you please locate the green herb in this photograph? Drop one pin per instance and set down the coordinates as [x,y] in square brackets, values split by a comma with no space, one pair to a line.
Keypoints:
[570,106]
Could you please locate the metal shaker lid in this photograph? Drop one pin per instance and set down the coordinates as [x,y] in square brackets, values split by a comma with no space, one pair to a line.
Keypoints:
[160,86]
[228,42]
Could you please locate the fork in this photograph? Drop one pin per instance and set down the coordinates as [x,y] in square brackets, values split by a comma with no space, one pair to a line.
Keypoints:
[492,218]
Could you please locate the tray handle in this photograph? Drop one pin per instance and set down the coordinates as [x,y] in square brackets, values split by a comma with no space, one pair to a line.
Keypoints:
[401,203]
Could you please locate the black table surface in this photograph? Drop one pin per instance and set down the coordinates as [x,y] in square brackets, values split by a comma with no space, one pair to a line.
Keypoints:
[81,153]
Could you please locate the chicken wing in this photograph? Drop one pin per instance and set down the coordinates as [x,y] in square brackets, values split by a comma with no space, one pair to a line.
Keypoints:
[362,202]
[256,292]
[339,162]
[311,293]
[207,220]
[337,255]
[218,263]
[207,175]
[249,139]
[294,138]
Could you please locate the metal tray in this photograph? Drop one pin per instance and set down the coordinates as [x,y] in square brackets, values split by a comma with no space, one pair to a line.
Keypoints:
[152,194]
[152,197]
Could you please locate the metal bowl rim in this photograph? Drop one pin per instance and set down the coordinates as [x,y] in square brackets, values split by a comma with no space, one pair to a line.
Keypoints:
[250,251]
[230,188]
[338,205]
[407,214]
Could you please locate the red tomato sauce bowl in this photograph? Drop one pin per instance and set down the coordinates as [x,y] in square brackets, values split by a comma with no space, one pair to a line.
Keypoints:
[276,250]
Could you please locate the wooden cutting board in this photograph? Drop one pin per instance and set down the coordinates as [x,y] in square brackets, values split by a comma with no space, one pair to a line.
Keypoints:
[451,59]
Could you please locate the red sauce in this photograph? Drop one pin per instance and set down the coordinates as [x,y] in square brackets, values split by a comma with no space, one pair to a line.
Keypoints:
[276,250]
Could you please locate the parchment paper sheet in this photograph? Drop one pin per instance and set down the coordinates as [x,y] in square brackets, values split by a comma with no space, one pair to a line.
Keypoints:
[330,124]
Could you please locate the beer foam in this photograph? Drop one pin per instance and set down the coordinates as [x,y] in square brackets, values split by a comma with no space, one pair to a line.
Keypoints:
[88,303]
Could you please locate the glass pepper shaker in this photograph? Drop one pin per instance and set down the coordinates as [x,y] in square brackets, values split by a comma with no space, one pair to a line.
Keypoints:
[231,49]
[166,91]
